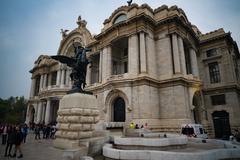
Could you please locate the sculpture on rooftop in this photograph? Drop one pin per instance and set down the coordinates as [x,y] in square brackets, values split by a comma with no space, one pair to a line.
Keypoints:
[79,64]
[64,32]
[129,2]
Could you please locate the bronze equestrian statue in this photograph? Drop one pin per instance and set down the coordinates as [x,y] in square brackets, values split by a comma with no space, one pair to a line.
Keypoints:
[79,64]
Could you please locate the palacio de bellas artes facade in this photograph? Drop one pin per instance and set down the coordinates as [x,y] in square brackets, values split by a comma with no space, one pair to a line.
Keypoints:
[148,66]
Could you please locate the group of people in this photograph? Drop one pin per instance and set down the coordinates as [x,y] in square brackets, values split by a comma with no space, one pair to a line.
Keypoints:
[13,135]
[48,131]
[136,126]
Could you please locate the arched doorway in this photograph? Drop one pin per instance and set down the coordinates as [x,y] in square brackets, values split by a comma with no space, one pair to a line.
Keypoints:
[221,124]
[119,110]
[32,114]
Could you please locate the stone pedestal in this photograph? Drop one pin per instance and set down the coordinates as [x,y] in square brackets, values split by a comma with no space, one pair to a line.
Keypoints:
[77,115]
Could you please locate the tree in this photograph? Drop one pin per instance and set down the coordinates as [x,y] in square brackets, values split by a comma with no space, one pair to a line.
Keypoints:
[13,110]
[4,109]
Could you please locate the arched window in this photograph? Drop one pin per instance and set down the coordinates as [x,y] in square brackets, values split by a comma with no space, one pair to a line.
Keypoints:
[120,18]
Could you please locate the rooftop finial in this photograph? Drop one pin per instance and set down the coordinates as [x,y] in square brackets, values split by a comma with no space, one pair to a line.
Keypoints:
[129,2]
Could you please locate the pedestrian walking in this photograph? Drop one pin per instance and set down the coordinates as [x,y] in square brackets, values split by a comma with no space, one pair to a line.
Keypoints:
[25,132]
[44,131]
[4,134]
[18,141]
[10,141]
[37,132]
[48,130]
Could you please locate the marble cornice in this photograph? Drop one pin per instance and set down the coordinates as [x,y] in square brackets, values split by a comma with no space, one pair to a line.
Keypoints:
[53,93]
[146,80]
[222,89]
[215,38]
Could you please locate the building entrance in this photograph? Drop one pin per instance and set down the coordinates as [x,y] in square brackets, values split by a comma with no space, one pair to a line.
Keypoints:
[119,110]
[221,124]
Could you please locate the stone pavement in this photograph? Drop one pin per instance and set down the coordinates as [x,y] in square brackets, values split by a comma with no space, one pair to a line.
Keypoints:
[35,150]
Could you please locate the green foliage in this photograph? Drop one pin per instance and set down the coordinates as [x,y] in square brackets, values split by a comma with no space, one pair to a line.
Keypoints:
[13,110]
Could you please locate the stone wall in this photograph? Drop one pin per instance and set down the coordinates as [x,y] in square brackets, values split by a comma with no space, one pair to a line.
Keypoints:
[174,102]
[231,106]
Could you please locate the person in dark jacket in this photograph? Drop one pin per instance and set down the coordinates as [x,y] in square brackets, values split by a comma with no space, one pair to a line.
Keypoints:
[18,141]
[10,141]
[25,132]
[44,131]
[48,130]
[37,132]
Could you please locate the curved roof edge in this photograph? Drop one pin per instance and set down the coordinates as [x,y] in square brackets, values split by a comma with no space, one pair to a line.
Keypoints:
[81,31]
[157,14]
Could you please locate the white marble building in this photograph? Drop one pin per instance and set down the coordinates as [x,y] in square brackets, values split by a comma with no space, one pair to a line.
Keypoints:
[148,66]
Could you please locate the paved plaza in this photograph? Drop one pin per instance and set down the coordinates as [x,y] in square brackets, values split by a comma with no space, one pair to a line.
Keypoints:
[36,150]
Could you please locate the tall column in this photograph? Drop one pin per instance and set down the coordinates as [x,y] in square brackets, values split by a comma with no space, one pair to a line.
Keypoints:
[104,64]
[151,55]
[100,65]
[48,112]
[109,61]
[67,76]
[194,64]
[41,83]
[176,57]
[143,58]
[89,76]
[58,77]
[44,81]
[33,85]
[182,55]
[62,78]
[49,80]
[36,112]
[133,55]
[53,112]
[39,112]
[43,112]
[27,118]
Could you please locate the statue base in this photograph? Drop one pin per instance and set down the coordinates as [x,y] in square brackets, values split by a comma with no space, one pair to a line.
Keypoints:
[77,116]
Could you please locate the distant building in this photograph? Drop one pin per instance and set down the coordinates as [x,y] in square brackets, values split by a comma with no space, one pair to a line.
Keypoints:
[148,66]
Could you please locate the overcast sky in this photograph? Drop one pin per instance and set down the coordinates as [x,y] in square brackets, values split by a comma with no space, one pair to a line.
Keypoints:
[29,28]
